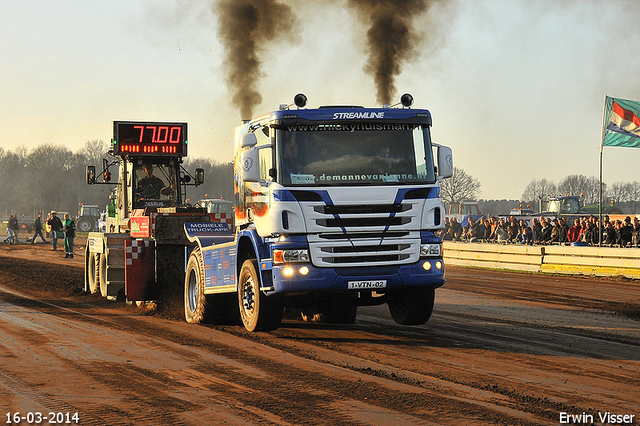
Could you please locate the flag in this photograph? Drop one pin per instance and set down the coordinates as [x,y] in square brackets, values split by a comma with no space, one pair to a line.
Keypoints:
[621,123]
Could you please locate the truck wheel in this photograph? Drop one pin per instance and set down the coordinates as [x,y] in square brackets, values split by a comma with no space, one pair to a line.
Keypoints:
[195,302]
[85,224]
[92,272]
[257,311]
[102,274]
[412,305]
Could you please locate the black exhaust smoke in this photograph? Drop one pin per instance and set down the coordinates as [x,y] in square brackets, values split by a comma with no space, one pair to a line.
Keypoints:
[246,26]
[391,39]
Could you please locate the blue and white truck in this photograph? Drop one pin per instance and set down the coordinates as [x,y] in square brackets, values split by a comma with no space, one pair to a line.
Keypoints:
[335,208]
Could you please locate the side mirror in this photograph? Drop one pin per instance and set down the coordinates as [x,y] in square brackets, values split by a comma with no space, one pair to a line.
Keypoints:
[199,176]
[91,175]
[248,140]
[250,165]
[445,162]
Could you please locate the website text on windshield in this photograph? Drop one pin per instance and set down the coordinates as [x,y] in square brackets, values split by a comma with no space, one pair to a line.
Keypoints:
[354,154]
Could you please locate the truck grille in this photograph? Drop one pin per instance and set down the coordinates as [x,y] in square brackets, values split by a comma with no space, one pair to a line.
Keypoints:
[362,209]
[362,216]
[371,234]
[363,222]
[371,251]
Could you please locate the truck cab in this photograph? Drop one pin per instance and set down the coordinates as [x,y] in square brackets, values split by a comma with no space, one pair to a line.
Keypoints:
[335,207]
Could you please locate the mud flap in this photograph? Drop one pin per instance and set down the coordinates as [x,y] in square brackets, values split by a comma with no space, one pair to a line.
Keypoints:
[139,268]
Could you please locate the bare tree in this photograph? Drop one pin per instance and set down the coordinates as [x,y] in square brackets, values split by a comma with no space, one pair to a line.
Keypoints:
[94,151]
[459,187]
[12,170]
[619,192]
[589,187]
[633,191]
[538,191]
[51,177]
[218,179]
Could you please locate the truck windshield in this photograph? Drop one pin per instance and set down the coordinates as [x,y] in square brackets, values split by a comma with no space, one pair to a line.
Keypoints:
[564,206]
[155,186]
[217,206]
[354,154]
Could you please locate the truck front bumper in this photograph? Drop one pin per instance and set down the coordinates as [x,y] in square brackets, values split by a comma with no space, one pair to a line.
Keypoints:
[304,277]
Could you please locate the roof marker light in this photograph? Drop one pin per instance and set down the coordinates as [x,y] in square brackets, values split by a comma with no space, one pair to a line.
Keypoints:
[406,100]
[300,100]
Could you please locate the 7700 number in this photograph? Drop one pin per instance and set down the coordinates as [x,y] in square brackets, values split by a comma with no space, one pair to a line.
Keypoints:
[38,418]
[161,134]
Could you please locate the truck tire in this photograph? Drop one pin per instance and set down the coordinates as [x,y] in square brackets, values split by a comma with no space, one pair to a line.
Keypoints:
[85,224]
[102,274]
[258,312]
[195,301]
[92,272]
[411,305]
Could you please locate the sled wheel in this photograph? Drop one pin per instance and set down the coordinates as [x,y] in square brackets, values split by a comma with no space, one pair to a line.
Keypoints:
[92,272]
[102,274]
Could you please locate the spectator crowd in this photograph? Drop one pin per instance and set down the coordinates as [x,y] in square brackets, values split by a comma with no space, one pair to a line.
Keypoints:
[583,230]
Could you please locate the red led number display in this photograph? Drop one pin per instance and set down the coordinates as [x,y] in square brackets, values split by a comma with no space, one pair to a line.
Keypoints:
[160,134]
[150,138]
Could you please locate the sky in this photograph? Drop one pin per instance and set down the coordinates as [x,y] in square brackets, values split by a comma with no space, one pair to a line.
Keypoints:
[515,87]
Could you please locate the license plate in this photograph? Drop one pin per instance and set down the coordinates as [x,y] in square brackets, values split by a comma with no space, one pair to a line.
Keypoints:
[366,285]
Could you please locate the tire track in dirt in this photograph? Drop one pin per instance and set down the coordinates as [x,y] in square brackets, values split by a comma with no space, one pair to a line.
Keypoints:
[489,355]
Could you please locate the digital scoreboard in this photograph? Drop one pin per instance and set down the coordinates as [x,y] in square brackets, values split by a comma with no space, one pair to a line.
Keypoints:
[149,138]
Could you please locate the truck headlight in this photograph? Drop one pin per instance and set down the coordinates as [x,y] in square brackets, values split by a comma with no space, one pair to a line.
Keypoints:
[430,250]
[288,256]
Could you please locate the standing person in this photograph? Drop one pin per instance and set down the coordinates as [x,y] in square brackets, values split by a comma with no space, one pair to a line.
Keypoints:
[47,229]
[545,236]
[536,230]
[37,230]
[457,228]
[501,234]
[69,228]
[56,226]
[625,233]
[555,231]
[444,230]
[573,234]
[609,235]
[595,233]
[563,230]
[10,232]
[512,229]
[635,237]
[15,226]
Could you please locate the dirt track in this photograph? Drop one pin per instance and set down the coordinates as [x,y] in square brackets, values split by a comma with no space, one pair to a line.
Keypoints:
[501,348]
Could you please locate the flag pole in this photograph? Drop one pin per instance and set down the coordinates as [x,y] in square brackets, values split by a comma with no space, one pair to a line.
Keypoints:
[604,117]
[600,202]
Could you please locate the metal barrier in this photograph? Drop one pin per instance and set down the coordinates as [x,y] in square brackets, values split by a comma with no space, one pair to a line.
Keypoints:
[598,261]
